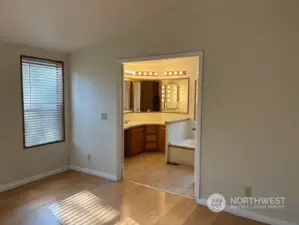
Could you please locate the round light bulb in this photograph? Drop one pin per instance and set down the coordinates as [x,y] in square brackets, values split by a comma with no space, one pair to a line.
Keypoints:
[133,72]
[126,71]
[139,73]
[181,72]
[156,74]
[145,73]
[170,73]
[150,73]
[165,73]
[175,73]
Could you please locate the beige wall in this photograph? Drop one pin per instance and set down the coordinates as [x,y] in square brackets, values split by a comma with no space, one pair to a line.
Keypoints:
[250,121]
[15,162]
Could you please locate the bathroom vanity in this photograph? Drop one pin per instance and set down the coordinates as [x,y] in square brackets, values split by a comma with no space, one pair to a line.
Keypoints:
[143,138]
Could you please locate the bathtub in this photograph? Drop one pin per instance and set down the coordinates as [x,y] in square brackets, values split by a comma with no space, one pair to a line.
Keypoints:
[182,152]
[188,143]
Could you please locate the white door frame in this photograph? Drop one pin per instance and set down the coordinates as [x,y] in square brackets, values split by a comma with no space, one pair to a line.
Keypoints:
[120,139]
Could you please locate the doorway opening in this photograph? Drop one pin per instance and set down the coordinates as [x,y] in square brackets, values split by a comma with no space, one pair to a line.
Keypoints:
[161,99]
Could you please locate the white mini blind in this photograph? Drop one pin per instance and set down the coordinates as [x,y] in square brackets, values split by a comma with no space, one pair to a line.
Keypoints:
[43,101]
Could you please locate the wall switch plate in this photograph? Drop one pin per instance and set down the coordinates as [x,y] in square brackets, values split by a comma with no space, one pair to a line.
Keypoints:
[104,116]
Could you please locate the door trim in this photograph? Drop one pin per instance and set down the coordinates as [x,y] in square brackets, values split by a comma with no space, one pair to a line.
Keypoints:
[120,113]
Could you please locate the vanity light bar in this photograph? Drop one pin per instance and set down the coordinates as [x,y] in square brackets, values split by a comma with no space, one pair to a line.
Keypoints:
[147,73]
[175,73]
[141,73]
[130,72]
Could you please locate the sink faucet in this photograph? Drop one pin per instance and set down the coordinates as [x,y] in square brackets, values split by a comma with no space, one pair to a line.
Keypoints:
[127,121]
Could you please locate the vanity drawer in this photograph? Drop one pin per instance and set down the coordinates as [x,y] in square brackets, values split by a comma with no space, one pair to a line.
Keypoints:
[151,129]
[151,137]
[151,145]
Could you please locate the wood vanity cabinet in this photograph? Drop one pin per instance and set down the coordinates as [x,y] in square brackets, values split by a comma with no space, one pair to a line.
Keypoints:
[144,138]
[151,138]
[134,141]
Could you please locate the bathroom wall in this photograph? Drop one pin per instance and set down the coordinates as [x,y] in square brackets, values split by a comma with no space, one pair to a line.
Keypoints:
[190,64]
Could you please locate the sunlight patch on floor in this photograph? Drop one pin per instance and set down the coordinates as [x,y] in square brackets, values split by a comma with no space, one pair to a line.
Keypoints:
[84,208]
[127,221]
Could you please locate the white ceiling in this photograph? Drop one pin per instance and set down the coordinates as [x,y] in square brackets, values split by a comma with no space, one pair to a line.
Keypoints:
[67,25]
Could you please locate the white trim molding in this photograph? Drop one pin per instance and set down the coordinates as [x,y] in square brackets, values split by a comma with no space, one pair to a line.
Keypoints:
[120,110]
[95,173]
[249,214]
[9,186]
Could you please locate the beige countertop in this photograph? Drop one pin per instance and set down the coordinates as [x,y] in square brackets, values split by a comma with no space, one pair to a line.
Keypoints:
[141,123]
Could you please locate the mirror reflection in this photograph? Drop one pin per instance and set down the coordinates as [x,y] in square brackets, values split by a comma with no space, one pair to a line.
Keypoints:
[175,94]
[128,95]
[167,95]
[146,96]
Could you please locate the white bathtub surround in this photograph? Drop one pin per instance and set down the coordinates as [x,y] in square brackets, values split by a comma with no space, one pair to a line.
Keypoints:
[178,130]
[180,142]
[181,155]
[185,143]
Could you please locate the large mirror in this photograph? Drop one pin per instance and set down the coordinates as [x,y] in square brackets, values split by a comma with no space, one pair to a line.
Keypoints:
[169,96]
[146,96]
[128,95]
[175,95]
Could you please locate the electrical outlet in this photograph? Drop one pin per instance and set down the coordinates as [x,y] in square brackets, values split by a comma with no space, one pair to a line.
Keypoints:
[104,116]
[89,157]
[248,192]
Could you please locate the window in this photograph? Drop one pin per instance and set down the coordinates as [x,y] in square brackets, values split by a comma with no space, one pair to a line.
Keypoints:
[43,101]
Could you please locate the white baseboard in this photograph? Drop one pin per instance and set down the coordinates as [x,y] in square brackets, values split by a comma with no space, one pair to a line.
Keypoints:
[6,187]
[95,172]
[250,215]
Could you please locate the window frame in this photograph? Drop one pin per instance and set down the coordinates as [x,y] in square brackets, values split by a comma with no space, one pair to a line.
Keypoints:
[22,101]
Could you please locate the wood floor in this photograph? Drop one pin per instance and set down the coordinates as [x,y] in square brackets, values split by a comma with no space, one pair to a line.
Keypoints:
[150,169]
[73,198]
